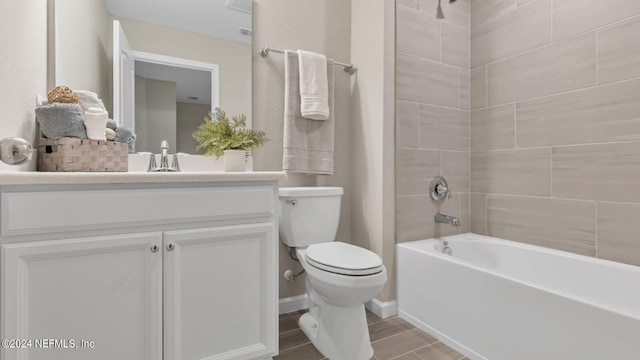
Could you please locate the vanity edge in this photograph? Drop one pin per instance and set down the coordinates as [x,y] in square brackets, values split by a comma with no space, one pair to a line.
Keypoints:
[61,178]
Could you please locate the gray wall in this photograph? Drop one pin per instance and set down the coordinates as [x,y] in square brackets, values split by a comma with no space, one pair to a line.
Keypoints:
[23,65]
[83,47]
[190,117]
[319,26]
[158,111]
[555,126]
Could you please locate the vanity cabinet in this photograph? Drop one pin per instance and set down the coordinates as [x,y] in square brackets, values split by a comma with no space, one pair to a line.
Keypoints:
[186,287]
[215,282]
[103,289]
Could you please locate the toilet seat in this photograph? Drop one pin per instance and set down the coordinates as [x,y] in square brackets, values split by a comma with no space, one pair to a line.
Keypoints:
[344,259]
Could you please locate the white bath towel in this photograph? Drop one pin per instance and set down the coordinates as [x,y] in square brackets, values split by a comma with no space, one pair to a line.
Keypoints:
[308,144]
[314,88]
[95,120]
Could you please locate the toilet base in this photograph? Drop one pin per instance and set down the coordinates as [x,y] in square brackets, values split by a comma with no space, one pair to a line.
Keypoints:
[339,333]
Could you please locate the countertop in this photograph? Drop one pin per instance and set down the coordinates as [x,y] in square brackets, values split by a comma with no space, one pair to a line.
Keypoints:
[60,178]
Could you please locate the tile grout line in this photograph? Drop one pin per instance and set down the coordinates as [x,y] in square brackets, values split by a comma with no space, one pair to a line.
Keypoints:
[403,354]
[486,86]
[551,172]
[419,130]
[460,89]
[596,227]
[394,335]
[601,27]
[486,214]
[556,146]
[440,41]
[590,87]
[515,125]
[597,57]
[294,347]
[435,62]
[552,20]
[540,197]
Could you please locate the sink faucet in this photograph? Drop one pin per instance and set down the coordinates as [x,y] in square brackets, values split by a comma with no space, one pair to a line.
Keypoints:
[446,219]
[164,160]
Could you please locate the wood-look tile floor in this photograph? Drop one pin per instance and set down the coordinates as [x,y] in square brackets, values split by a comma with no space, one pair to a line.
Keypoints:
[391,339]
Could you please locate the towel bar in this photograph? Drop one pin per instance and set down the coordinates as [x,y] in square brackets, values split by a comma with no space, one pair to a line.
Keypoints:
[349,68]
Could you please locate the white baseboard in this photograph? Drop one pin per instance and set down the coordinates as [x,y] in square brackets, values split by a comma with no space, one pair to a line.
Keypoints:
[440,336]
[382,309]
[294,303]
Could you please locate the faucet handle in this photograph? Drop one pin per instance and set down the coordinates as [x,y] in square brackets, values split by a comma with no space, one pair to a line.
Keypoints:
[439,189]
[175,166]
[152,162]
[164,144]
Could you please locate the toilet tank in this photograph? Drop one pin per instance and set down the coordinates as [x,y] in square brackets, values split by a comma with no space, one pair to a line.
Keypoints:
[309,215]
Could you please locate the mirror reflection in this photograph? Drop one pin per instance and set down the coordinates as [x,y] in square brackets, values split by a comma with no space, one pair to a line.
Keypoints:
[159,65]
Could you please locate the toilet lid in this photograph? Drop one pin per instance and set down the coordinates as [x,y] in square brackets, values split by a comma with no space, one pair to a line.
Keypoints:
[344,259]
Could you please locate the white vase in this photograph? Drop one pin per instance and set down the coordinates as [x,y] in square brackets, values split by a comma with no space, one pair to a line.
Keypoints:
[235,160]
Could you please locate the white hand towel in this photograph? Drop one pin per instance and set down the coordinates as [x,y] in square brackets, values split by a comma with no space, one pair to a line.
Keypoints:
[95,120]
[314,88]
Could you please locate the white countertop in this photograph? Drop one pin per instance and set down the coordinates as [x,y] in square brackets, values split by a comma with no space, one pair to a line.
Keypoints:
[59,178]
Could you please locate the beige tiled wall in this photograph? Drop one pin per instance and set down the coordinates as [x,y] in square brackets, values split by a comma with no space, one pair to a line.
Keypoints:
[433,86]
[555,124]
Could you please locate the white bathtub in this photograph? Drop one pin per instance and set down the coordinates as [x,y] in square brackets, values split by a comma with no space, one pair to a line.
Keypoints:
[501,300]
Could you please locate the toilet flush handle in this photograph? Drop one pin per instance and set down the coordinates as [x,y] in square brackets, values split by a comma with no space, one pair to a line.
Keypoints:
[292,202]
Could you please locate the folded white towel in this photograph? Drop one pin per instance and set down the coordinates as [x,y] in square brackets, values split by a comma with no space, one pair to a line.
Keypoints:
[89,99]
[314,88]
[95,120]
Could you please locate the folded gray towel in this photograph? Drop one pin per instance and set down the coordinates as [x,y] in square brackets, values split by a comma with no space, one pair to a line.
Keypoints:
[308,144]
[61,120]
[112,124]
[125,135]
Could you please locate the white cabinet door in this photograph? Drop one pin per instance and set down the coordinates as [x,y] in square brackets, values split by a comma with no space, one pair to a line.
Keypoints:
[105,289]
[220,293]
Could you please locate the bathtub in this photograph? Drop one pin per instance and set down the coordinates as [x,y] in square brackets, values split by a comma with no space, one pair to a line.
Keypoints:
[501,300]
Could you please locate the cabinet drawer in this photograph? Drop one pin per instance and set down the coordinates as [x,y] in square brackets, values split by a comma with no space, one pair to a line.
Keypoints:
[58,211]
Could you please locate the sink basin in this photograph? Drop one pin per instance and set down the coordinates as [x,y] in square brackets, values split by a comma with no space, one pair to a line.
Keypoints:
[188,163]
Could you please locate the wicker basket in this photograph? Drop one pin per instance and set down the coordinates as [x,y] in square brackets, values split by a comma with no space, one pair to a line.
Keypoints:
[82,155]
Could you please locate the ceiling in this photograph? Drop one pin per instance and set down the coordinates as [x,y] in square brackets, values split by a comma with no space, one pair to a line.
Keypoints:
[208,17]
[189,82]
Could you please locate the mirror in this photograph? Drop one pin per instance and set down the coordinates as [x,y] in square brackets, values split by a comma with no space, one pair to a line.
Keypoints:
[159,65]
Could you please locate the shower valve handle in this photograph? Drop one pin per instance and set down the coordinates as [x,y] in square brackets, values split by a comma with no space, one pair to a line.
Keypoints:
[439,189]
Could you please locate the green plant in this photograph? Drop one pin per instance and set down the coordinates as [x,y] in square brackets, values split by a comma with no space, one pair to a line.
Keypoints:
[217,134]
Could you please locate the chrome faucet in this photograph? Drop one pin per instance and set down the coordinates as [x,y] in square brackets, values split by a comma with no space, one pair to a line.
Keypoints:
[439,191]
[446,219]
[164,160]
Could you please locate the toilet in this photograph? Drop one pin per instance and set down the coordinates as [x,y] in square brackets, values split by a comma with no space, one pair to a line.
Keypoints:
[341,277]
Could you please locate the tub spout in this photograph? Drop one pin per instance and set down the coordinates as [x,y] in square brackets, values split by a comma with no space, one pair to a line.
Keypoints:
[446,219]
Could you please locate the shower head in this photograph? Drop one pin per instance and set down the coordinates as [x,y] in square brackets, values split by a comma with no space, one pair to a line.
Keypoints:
[439,13]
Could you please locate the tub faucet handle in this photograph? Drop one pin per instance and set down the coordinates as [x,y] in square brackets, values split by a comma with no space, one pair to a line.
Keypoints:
[439,189]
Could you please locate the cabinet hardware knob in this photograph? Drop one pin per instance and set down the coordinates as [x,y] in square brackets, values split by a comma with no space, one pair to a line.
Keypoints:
[170,246]
[155,248]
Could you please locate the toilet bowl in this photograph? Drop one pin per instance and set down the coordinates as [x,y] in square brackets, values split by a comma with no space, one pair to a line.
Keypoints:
[340,277]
